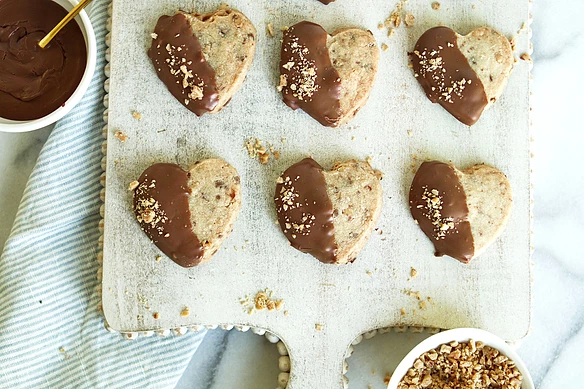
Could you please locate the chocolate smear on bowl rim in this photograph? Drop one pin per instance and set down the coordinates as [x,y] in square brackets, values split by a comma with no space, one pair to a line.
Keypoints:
[161,205]
[179,62]
[438,203]
[305,211]
[446,75]
[308,79]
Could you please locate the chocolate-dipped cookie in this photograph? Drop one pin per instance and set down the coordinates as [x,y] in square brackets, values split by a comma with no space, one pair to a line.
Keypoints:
[461,212]
[464,74]
[328,214]
[328,76]
[188,214]
[203,59]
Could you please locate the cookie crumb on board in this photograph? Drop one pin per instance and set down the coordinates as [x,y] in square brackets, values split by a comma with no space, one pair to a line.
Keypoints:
[255,149]
[394,20]
[526,57]
[409,20]
[270,29]
[155,315]
[513,43]
[263,300]
[413,272]
[435,6]
[386,379]
[135,114]
[318,327]
[121,136]
[185,312]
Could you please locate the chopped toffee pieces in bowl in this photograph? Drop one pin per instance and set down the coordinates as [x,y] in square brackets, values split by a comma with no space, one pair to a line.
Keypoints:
[464,365]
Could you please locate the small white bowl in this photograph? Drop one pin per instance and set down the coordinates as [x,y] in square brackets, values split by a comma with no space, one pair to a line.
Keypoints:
[90,43]
[460,335]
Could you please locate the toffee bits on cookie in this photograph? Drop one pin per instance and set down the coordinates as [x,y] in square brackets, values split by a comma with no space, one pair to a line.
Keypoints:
[305,212]
[446,75]
[438,203]
[308,79]
[180,64]
[161,205]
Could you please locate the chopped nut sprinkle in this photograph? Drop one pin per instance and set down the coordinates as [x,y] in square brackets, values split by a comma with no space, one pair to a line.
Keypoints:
[302,84]
[431,63]
[133,185]
[432,211]
[148,209]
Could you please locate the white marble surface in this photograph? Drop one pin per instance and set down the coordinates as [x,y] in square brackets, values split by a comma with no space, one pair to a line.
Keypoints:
[552,351]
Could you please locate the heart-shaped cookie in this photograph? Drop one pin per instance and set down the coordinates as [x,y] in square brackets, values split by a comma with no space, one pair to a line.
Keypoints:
[203,59]
[328,76]
[464,74]
[329,214]
[188,214]
[462,212]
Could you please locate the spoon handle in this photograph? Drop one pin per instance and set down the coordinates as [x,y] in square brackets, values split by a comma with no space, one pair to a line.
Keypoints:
[71,15]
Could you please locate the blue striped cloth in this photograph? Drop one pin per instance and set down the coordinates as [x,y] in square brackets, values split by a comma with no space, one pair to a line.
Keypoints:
[51,329]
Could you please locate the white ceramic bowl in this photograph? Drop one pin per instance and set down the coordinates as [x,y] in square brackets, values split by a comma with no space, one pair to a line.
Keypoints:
[460,335]
[89,35]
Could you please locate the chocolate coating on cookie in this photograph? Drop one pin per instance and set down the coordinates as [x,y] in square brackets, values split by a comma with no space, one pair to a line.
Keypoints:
[179,62]
[305,212]
[161,205]
[447,77]
[438,204]
[308,79]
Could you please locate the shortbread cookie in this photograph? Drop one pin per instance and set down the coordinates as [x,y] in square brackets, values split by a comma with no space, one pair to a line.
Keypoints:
[203,59]
[464,74]
[329,214]
[462,212]
[188,214]
[327,76]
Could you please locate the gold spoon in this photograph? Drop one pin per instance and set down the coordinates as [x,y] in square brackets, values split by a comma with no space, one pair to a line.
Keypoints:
[70,16]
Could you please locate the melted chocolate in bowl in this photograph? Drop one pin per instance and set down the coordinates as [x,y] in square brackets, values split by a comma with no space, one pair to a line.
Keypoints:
[34,82]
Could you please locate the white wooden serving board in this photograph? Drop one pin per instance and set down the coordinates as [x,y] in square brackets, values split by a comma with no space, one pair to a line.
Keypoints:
[492,293]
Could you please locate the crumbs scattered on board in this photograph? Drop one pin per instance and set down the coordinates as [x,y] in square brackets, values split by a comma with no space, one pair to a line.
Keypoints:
[121,136]
[255,149]
[261,301]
